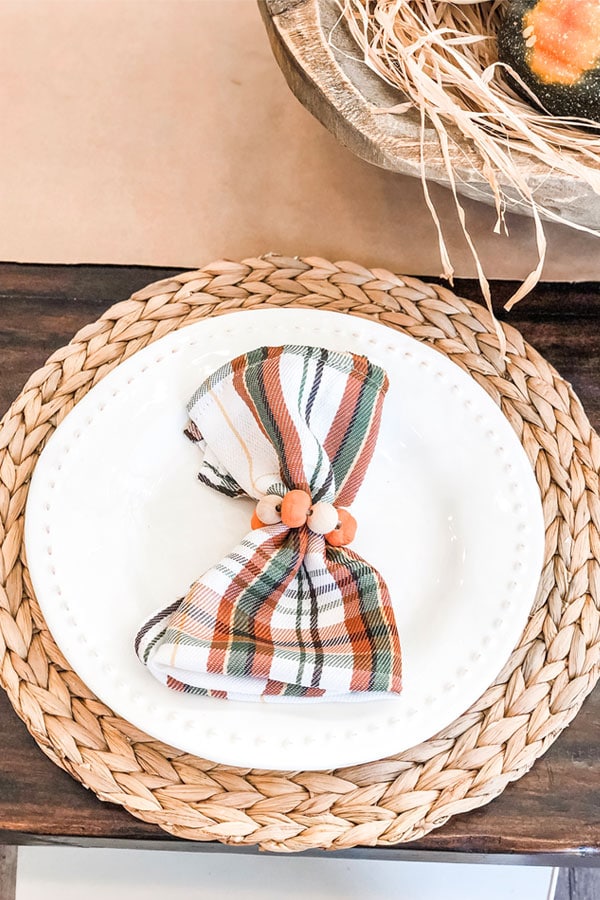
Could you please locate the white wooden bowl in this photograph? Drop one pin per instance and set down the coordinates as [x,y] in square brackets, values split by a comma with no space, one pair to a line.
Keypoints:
[345,96]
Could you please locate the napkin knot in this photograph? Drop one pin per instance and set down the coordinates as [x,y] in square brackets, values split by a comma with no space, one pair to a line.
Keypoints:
[295,509]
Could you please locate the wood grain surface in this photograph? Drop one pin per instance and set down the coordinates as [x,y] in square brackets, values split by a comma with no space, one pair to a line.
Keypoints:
[8,872]
[578,884]
[550,816]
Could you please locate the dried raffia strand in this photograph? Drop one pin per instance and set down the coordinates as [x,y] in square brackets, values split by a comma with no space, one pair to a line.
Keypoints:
[443,58]
[540,689]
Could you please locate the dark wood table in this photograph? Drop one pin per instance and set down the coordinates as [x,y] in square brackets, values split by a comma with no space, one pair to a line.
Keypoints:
[549,817]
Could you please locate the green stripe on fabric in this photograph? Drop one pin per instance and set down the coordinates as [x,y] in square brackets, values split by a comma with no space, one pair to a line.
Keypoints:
[374,624]
[151,644]
[358,428]
[339,360]
[282,565]
[210,383]
[254,382]
[317,477]
[301,647]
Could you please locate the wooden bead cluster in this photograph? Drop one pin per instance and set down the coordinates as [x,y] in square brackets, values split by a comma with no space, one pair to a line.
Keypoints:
[296,509]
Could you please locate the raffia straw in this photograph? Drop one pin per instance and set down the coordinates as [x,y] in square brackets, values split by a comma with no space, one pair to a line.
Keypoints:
[443,58]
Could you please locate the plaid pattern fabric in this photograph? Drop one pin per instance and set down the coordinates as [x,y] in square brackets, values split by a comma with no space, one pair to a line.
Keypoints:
[284,616]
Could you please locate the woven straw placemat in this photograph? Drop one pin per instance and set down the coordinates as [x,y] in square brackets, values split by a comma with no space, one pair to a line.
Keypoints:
[397,799]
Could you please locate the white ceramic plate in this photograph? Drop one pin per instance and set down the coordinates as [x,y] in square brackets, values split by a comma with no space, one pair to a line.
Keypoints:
[117,525]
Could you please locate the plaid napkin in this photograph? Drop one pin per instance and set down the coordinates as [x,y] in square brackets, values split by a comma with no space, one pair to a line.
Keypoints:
[290,613]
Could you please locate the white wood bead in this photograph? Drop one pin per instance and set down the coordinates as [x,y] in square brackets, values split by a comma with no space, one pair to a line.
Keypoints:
[267,511]
[322,518]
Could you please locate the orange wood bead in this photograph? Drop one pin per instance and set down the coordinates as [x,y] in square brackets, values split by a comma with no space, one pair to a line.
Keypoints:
[255,522]
[294,508]
[345,532]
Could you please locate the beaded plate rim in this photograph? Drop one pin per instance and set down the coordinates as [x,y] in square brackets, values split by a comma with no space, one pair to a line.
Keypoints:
[270,737]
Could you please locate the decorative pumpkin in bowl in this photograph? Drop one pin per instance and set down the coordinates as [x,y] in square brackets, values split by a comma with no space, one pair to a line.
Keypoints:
[554,48]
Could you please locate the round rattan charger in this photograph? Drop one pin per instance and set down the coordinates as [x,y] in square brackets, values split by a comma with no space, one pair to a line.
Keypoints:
[540,689]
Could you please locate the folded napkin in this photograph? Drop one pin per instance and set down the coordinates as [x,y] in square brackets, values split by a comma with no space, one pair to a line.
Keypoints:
[291,613]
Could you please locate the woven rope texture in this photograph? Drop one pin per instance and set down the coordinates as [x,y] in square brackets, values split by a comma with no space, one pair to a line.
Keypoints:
[401,798]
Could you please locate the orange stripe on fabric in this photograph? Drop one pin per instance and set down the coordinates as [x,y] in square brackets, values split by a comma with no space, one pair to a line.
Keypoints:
[240,368]
[358,639]
[356,474]
[345,413]
[292,447]
[262,660]
[240,440]
[251,571]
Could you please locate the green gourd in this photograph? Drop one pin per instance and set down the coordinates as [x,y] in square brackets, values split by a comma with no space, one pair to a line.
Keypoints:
[554,47]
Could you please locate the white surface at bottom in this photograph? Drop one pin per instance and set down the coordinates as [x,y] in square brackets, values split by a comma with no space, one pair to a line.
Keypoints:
[71,874]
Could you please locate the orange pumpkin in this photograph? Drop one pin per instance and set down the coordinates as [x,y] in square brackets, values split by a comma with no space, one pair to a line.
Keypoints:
[554,47]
